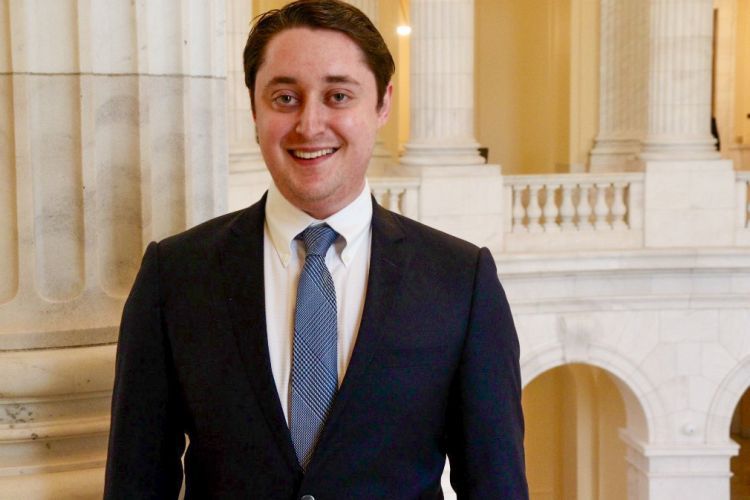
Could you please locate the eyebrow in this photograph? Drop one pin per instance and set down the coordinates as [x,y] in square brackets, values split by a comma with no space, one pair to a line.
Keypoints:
[341,79]
[288,80]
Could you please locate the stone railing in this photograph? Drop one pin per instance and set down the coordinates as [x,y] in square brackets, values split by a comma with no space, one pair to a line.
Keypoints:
[398,194]
[743,208]
[563,212]
[573,211]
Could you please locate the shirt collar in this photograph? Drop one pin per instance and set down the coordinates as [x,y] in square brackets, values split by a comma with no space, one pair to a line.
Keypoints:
[285,222]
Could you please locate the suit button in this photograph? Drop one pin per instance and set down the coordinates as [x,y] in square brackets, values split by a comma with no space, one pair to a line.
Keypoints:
[307,497]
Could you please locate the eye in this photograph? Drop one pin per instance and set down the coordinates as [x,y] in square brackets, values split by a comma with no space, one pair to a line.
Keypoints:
[285,100]
[339,98]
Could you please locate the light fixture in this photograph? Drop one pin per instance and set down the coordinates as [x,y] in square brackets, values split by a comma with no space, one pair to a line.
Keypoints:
[403,29]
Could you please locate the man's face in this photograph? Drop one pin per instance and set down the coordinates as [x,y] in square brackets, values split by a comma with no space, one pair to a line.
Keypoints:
[316,117]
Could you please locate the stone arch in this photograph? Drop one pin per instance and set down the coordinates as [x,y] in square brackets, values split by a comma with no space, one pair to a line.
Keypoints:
[724,402]
[638,394]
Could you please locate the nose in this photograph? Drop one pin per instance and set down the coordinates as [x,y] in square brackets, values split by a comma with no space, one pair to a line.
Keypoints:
[311,119]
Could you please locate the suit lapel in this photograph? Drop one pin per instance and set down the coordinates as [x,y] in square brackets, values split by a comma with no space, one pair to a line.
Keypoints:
[242,266]
[389,256]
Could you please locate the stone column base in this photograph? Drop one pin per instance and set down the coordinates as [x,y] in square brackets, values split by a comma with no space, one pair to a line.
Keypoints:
[431,154]
[54,421]
[689,203]
[615,155]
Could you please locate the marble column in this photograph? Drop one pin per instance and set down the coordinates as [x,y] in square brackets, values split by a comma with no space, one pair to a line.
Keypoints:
[681,162]
[112,134]
[442,84]
[623,75]
[458,192]
[679,83]
[248,174]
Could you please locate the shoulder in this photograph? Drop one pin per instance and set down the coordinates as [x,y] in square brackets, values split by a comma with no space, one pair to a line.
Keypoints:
[424,239]
[432,259]
[212,233]
[201,235]
[196,252]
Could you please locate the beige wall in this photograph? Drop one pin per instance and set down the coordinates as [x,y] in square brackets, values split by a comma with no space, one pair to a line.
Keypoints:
[542,406]
[518,90]
[536,77]
[396,132]
[731,81]
[584,80]
[612,466]
[742,87]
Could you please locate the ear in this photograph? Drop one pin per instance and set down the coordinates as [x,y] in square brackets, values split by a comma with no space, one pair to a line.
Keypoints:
[385,107]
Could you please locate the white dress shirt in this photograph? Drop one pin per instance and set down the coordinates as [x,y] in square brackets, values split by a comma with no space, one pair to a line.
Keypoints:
[348,260]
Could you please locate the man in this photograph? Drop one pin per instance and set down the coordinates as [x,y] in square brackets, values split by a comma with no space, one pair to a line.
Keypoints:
[316,345]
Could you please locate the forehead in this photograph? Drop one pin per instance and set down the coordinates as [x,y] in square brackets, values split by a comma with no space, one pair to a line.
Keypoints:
[302,50]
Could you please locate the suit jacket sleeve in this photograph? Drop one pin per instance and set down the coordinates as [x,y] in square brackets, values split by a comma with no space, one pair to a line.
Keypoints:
[485,437]
[146,438]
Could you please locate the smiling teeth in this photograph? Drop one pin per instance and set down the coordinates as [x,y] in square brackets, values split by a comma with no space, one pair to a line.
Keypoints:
[309,155]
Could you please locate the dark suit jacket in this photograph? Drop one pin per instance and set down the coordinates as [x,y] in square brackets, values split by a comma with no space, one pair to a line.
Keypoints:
[434,371]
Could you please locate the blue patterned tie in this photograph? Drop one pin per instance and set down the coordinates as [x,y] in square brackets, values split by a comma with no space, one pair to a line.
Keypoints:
[314,373]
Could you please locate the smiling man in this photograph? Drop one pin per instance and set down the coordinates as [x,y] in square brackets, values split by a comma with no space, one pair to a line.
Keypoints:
[317,110]
[316,345]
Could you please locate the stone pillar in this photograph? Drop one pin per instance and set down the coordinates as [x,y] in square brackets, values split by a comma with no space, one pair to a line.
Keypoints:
[679,83]
[249,177]
[689,192]
[442,84]
[622,85]
[111,135]
[458,193]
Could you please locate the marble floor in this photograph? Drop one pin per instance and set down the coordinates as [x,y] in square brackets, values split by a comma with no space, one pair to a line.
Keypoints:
[741,470]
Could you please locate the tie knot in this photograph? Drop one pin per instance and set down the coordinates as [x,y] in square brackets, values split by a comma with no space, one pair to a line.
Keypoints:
[317,239]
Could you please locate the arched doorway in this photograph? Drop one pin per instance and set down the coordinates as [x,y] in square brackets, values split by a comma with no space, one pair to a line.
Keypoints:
[740,432]
[573,450]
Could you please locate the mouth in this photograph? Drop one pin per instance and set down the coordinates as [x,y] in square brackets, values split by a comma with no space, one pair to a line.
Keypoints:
[308,154]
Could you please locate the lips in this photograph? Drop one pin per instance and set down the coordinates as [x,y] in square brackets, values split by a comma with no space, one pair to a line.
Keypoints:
[311,154]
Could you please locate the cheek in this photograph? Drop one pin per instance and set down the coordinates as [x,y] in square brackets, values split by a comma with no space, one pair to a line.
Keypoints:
[270,130]
[356,129]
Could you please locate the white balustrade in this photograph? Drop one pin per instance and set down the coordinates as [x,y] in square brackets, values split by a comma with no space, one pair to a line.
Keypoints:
[398,194]
[519,212]
[743,200]
[601,209]
[597,210]
[567,210]
[533,210]
[583,208]
[564,211]
[570,202]
[551,210]
[619,209]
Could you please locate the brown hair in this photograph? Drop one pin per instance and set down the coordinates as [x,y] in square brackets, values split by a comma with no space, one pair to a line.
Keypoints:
[320,14]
